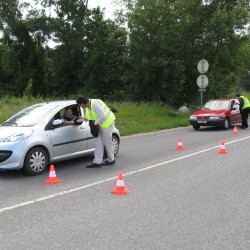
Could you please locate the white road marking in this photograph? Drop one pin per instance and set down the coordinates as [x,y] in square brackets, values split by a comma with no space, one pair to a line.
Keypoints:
[47,197]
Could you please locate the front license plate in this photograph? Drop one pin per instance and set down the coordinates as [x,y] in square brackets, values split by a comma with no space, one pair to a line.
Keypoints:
[202,121]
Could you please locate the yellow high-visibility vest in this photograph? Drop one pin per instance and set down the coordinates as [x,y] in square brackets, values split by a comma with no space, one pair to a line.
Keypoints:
[246,102]
[90,114]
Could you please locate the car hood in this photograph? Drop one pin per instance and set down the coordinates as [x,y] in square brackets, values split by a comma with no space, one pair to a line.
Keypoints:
[6,132]
[207,112]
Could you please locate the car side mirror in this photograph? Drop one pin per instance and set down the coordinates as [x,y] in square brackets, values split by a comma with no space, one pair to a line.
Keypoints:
[57,122]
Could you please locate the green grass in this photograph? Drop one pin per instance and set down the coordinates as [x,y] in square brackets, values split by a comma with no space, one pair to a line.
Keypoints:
[132,118]
[11,105]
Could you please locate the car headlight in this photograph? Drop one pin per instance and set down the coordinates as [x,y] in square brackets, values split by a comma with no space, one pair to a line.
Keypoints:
[192,117]
[19,136]
[214,118]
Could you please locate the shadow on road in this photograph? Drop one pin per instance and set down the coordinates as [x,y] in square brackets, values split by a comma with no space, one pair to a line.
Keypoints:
[64,166]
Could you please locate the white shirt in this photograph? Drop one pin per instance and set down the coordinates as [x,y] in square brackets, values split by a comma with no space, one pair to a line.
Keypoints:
[99,110]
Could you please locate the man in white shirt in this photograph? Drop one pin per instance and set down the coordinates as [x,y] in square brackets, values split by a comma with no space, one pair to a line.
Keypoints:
[104,119]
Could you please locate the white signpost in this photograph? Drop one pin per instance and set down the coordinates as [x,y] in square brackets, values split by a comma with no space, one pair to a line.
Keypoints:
[202,80]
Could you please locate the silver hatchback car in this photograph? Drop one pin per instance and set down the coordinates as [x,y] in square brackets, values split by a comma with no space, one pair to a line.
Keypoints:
[36,137]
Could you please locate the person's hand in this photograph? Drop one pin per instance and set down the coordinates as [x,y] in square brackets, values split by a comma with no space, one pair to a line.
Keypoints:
[68,122]
[98,126]
[80,119]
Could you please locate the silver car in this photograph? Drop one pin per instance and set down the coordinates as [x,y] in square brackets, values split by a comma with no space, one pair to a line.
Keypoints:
[36,137]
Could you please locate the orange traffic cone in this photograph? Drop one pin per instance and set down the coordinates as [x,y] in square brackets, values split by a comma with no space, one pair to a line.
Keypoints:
[235,132]
[120,188]
[179,147]
[222,148]
[52,176]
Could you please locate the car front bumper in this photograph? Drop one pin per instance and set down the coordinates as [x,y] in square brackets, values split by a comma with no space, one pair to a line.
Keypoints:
[12,155]
[215,123]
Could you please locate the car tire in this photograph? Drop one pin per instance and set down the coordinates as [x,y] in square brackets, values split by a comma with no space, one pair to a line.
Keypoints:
[115,143]
[226,124]
[36,161]
[196,127]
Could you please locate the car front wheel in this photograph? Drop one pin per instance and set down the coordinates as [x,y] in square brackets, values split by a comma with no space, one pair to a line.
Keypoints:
[226,124]
[115,143]
[36,161]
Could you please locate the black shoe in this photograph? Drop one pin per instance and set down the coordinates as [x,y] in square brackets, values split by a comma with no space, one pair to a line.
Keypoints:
[108,162]
[94,165]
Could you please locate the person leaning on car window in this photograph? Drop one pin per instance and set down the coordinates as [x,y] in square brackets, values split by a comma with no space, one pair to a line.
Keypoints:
[244,110]
[69,118]
[97,111]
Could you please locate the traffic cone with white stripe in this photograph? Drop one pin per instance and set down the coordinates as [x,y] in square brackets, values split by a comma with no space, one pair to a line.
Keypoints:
[222,148]
[52,176]
[120,188]
[235,132]
[179,146]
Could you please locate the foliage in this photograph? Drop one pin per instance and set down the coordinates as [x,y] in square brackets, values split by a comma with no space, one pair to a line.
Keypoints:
[152,56]
[168,38]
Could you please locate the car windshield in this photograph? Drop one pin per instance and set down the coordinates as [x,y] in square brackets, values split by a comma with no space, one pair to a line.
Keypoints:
[217,104]
[30,116]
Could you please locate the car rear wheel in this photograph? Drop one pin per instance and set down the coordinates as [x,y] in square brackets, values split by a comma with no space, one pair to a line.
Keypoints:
[226,124]
[115,144]
[196,127]
[36,161]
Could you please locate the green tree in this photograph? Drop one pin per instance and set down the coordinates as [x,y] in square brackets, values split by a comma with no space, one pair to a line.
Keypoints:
[155,73]
[24,36]
[244,58]
[105,57]
[168,38]
[67,58]
[223,36]
[89,54]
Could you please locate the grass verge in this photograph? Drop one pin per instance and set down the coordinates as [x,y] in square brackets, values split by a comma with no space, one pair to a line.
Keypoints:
[132,118]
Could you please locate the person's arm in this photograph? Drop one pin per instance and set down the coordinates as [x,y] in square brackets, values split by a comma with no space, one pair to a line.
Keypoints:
[80,120]
[241,101]
[101,115]
[71,121]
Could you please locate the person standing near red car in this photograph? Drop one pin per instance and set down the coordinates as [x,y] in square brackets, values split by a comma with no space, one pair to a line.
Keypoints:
[244,110]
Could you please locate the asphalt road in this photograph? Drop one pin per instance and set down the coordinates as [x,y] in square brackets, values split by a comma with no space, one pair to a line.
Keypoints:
[190,199]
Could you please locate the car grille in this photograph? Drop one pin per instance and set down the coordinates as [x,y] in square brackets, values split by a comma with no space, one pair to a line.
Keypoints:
[4,155]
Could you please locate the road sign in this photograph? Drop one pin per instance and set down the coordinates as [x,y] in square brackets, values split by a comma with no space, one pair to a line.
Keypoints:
[202,81]
[202,66]
[203,90]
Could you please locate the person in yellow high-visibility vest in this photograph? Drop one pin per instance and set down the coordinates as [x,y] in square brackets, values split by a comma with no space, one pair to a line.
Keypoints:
[97,111]
[244,110]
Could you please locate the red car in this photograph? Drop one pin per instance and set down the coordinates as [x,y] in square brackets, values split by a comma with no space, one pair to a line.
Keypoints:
[220,112]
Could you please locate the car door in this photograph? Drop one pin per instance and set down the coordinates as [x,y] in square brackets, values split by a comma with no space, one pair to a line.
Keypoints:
[91,139]
[235,113]
[68,141]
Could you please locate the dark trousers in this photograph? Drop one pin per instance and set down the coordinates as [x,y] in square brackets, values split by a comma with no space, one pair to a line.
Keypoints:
[244,116]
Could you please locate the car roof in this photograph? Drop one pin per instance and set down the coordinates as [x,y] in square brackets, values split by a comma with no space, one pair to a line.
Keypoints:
[58,104]
[64,102]
[222,99]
